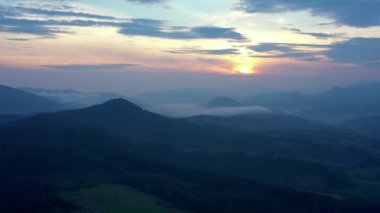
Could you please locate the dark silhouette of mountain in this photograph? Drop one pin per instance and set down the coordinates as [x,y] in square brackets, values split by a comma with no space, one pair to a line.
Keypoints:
[282,101]
[223,102]
[366,125]
[336,105]
[186,96]
[10,118]
[248,132]
[14,101]
[72,98]
[122,117]
[258,122]
[361,91]
[108,143]
[342,104]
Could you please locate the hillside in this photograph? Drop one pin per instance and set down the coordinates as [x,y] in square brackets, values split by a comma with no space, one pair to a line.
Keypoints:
[10,118]
[72,98]
[336,105]
[14,101]
[184,96]
[366,125]
[257,122]
[289,102]
[223,102]
[127,120]
[191,167]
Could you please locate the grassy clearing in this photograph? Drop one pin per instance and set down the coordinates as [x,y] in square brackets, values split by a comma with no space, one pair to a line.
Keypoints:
[107,198]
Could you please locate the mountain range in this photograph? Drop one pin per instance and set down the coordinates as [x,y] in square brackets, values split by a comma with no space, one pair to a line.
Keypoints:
[366,125]
[14,101]
[271,161]
[180,96]
[72,98]
[334,106]
[185,162]
[223,102]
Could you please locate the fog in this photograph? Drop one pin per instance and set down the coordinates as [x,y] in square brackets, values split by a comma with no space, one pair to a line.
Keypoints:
[134,82]
[188,110]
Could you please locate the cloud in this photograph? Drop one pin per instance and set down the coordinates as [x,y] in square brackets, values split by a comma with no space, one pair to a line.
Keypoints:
[357,13]
[288,50]
[188,110]
[228,51]
[154,28]
[147,1]
[58,13]
[305,56]
[361,51]
[217,32]
[316,35]
[16,22]
[26,26]
[82,67]
[18,39]
[269,47]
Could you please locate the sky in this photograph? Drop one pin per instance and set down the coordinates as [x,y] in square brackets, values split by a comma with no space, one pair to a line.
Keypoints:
[235,47]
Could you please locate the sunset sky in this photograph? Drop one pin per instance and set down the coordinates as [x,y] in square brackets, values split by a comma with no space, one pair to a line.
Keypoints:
[233,46]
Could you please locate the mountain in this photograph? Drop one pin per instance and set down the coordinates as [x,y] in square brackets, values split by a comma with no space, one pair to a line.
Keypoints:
[363,91]
[10,118]
[267,133]
[223,102]
[289,102]
[72,98]
[257,122]
[121,144]
[121,117]
[366,125]
[341,104]
[183,96]
[15,101]
[334,106]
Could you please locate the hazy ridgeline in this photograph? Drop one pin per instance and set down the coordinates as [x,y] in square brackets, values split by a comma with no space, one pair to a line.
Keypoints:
[268,153]
[175,106]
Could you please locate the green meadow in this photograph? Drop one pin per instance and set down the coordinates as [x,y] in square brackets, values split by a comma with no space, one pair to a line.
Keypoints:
[107,198]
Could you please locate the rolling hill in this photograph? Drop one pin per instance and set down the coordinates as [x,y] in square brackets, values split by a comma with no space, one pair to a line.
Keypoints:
[192,167]
[10,118]
[184,96]
[366,125]
[14,101]
[257,122]
[248,133]
[334,106]
[72,98]
[223,102]
[289,102]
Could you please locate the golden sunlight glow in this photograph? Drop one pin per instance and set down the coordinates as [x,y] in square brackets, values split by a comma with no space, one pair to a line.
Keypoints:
[245,65]
[245,69]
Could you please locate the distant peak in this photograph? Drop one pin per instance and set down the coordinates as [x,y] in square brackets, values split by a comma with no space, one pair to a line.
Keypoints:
[70,91]
[118,101]
[223,102]
[337,89]
[119,104]
[223,98]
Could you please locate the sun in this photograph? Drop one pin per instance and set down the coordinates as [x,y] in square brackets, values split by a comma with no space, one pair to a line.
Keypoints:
[244,65]
[244,69]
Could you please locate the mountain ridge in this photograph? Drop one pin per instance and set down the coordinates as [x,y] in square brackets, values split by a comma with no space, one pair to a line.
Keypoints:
[223,101]
[15,101]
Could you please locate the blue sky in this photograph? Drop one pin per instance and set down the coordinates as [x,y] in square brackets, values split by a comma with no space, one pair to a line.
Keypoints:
[239,42]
